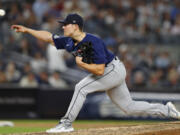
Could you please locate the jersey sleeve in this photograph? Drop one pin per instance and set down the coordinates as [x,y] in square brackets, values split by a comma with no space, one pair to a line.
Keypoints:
[59,41]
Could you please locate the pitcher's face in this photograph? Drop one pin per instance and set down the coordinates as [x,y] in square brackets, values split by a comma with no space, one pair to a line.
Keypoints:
[69,30]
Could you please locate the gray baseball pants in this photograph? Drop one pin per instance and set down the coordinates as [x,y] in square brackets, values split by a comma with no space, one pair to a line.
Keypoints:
[113,83]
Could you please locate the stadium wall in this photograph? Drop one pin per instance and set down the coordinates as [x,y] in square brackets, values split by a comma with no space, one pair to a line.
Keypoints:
[53,103]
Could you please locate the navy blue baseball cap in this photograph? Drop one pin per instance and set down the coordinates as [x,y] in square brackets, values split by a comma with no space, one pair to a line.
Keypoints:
[73,19]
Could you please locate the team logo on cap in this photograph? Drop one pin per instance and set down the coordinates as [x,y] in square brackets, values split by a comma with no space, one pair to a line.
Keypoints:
[74,21]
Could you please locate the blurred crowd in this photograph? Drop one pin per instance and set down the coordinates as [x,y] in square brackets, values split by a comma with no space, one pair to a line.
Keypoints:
[137,31]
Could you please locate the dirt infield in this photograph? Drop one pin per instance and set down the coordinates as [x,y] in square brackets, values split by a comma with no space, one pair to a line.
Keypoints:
[166,128]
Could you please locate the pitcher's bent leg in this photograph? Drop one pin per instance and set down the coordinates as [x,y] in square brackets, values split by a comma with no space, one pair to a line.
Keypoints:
[88,85]
[121,97]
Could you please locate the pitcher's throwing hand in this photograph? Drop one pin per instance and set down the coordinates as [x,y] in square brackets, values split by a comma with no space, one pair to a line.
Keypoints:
[19,28]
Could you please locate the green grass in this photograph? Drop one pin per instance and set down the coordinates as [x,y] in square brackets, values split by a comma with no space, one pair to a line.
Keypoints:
[25,129]
[8,130]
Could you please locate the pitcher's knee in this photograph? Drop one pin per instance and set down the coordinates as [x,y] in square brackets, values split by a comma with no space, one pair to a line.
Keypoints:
[81,90]
[128,109]
[132,110]
[77,87]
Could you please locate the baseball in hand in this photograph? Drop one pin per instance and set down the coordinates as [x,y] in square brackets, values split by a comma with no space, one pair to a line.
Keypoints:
[2,12]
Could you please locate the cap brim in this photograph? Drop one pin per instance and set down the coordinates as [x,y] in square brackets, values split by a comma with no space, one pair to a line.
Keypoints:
[61,21]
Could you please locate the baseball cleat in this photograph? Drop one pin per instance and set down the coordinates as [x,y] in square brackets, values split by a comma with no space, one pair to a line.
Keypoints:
[173,112]
[60,128]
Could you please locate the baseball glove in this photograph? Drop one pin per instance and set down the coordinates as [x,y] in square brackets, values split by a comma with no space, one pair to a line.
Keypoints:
[85,51]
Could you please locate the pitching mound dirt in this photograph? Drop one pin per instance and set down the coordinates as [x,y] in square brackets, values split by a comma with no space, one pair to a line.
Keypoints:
[167,128]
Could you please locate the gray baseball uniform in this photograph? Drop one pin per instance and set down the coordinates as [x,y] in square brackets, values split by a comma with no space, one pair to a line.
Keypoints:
[112,81]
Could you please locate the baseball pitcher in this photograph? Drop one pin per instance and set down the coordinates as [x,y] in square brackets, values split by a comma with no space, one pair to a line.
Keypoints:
[107,73]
